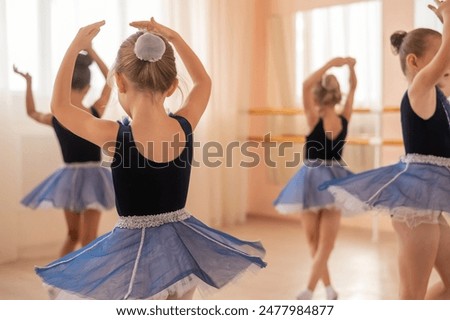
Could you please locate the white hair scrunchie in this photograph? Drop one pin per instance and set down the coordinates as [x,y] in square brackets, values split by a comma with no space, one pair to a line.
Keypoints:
[149,47]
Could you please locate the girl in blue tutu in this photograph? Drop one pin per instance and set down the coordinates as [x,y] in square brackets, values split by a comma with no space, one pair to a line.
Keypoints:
[415,191]
[323,161]
[157,250]
[82,188]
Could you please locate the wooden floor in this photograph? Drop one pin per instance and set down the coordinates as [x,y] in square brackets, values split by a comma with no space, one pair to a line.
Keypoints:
[360,268]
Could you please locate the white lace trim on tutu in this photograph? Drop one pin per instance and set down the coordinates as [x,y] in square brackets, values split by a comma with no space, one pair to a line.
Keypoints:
[151,221]
[291,208]
[413,217]
[89,164]
[48,204]
[427,159]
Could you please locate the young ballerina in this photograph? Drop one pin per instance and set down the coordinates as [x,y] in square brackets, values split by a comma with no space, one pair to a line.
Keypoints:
[157,250]
[82,188]
[323,161]
[415,191]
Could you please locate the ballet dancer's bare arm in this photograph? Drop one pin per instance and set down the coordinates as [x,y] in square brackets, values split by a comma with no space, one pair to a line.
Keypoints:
[421,92]
[75,119]
[311,111]
[353,81]
[198,98]
[100,104]
[44,118]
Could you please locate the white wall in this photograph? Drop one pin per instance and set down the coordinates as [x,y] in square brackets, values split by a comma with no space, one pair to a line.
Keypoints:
[9,189]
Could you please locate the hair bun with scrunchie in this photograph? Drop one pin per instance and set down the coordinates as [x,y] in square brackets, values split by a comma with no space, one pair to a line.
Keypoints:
[149,47]
[83,61]
[397,40]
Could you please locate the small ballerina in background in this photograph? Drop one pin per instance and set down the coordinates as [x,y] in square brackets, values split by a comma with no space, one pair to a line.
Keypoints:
[82,188]
[323,161]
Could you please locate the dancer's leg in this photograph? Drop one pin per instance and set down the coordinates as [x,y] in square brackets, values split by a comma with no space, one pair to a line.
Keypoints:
[418,248]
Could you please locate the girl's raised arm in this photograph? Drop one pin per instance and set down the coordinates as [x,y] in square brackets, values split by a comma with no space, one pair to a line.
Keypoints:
[353,81]
[100,104]
[198,98]
[79,121]
[44,118]
[422,92]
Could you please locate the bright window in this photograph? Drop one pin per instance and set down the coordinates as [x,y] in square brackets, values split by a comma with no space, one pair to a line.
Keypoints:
[424,17]
[39,46]
[343,30]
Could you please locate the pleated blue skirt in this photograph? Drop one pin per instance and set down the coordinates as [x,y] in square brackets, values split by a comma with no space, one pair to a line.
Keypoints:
[302,191]
[75,187]
[415,190]
[152,257]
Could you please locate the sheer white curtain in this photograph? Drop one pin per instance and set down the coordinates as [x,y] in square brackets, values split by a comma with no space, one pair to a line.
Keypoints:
[221,33]
[343,30]
[301,43]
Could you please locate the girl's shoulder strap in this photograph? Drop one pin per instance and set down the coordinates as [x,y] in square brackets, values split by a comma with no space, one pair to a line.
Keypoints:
[124,130]
[94,112]
[185,125]
[344,120]
[443,101]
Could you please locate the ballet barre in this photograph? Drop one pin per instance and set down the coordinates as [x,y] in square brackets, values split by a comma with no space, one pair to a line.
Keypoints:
[351,140]
[289,111]
[377,142]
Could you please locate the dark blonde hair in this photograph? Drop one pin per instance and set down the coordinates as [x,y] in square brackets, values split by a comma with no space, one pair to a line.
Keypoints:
[415,42]
[327,92]
[155,76]
[81,77]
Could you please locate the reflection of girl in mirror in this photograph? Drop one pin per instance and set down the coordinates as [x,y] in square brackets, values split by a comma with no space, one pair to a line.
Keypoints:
[323,161]
[415,191]
[157,250]
[82,187]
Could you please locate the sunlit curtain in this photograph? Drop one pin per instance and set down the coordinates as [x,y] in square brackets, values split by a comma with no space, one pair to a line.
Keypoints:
[301,43]
[345,30]
[221,31]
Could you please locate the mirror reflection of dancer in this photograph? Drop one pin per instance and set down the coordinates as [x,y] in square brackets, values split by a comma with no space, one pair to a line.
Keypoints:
[157,250]
[82,188]
[415,191]
[323,154]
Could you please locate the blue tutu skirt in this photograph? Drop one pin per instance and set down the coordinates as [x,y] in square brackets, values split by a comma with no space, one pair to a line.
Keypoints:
[152,257]
[75,187]
[302,191]
[415,190]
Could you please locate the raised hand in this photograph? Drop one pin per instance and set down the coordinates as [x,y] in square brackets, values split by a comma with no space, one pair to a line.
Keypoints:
[155,27]
[351,62]
[27,76]
[442,10]
[84,37]
[338,62]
